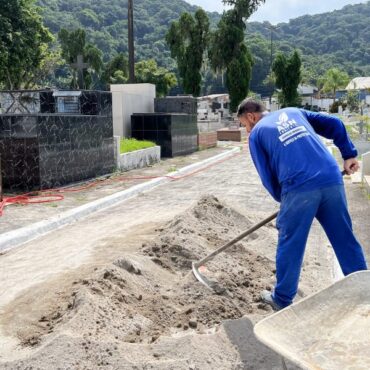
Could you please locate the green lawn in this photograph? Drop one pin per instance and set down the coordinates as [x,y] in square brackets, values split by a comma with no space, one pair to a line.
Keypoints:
[130,145]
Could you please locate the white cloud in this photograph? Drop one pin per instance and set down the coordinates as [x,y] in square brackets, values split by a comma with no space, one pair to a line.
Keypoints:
[276,11]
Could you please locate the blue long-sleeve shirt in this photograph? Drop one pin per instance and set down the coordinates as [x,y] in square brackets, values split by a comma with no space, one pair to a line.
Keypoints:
[289,155]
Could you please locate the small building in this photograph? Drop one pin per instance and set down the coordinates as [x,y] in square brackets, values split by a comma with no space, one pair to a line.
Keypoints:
[312,100]
[359,83]
[307,93]
[362,85]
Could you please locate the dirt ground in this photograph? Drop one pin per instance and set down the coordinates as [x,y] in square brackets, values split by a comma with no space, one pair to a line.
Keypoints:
[145,296]
[115,291]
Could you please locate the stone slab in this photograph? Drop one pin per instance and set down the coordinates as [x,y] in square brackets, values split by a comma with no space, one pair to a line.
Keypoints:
[233,134]
[207,140]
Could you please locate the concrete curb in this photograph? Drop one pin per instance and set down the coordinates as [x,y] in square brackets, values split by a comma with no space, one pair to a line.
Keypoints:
[139,158]
[14,238]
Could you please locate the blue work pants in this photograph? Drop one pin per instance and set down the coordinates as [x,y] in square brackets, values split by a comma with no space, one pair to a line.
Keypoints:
[297,211]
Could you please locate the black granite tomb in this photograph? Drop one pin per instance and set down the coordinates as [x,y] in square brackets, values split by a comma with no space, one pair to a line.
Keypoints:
[173,126]
[49,139]
[176,133]
[176,104]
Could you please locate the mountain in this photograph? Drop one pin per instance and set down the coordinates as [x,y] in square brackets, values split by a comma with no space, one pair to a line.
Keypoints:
[340,38]
[105,22]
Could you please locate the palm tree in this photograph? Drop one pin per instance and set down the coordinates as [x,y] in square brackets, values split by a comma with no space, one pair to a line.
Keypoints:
[333,80]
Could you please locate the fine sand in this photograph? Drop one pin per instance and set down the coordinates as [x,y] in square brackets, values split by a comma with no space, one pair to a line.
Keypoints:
[115,316]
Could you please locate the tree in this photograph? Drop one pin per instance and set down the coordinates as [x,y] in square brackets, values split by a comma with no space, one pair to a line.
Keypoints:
[245,8]
[309,77]
[23,43]
[73,44]
[46,74]
[238,76]
[287,72]
[188,39]
[353,101]
[333,80]
[229,52]
[261,52]
[116,70]
[147,71]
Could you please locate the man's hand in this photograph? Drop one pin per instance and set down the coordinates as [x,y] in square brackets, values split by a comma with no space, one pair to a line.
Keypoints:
[351,165]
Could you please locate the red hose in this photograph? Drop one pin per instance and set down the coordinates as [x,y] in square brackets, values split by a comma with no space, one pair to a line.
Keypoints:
[29,199]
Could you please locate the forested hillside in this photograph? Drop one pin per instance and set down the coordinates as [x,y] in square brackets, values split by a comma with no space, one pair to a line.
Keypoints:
[340,38]
[106,24]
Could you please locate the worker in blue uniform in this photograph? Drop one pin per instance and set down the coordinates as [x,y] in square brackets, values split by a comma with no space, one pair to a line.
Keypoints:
[299,172]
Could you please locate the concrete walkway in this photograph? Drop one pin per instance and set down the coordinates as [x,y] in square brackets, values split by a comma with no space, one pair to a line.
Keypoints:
[13,238]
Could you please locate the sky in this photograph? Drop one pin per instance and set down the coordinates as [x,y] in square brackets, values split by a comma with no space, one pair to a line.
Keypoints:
[276,11]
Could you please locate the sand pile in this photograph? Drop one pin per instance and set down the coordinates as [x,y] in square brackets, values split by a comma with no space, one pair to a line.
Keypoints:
[139,299]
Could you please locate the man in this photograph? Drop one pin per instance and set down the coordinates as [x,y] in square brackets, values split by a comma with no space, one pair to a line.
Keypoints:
[301,174]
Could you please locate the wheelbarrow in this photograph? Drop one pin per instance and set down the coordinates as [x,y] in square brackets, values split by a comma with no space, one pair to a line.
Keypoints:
[329,330]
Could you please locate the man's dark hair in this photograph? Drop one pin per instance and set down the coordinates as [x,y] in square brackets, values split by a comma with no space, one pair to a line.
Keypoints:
[250,105]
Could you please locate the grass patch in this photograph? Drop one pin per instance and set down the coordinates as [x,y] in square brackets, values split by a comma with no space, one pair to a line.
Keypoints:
[130,145]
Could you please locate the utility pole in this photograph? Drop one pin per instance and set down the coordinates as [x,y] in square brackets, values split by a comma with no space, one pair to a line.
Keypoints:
[272,28]
[131,47]
[271,49]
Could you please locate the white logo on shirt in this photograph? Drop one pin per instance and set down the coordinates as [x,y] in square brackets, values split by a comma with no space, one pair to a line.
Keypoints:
[285,124]
[289,130]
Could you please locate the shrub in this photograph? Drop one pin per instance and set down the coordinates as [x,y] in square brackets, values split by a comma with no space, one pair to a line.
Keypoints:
[335,106]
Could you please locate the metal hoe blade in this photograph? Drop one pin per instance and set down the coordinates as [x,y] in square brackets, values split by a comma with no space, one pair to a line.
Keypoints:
[210,284]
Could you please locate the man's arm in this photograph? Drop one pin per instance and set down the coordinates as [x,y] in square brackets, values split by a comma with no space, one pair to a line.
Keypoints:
[332,128]
[263,167]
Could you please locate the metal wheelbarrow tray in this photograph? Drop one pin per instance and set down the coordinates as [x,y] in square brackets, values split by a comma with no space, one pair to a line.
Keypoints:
[329,330]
